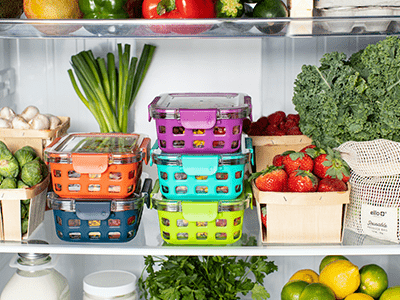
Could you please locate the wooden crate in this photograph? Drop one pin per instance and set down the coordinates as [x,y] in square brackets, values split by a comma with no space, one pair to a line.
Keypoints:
[302,217]
[37,139]
[10,213]
[266,147]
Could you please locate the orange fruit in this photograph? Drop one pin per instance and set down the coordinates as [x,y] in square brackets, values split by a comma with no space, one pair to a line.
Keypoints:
[392,293]
[306,275]
[317,291]
[374,280]
[293,289]
[328,259]
[342,276]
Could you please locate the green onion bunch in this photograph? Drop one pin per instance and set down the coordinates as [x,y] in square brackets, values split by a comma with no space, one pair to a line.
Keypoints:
[109,90]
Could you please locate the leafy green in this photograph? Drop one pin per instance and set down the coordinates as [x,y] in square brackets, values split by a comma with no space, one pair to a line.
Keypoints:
[209,277]
[354,98]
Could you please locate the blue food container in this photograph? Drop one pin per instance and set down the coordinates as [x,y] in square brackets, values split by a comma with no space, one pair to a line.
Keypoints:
[201,176]
[99,220]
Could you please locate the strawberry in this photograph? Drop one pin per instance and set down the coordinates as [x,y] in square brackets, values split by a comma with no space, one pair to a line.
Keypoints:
[278,159]
[331,165]
[301,181]
[314,151]
[295,130]
[307,147]
[255,130]
[298,160]
[331,185]
[293,117]
[246,125]
[271,179]
[277,117]
[271,129]
[288,124]
[264,215]
[262,122]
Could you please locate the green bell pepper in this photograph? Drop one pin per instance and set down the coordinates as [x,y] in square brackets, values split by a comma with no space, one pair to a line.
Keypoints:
[229,8]
[103,9]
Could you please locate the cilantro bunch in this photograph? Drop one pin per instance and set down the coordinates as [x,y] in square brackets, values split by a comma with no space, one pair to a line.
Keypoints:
[351,99]
[209,277]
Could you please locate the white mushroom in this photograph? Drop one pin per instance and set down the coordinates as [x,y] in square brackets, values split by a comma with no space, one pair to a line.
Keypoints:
[7,113]
[5,123]
[30,112]
[54,121]
[20,123]
[40,122]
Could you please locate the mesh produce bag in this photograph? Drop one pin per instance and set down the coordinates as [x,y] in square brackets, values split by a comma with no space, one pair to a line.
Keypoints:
[375,188]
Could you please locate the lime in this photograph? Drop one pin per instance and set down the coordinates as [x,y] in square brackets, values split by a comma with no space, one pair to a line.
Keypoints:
[328,259]
[358,296]
[293,289]
[317,291]
[374,280]
[306,275]
[342,276]
[392,293]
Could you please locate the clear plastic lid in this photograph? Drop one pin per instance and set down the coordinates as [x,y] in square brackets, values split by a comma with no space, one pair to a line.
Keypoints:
[109,283]
[120,148]
[226,105]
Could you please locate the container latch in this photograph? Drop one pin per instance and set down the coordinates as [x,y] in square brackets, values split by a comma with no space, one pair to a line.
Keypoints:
[89,163]
[196,211]
[195,165]
[198,119]
[93,210]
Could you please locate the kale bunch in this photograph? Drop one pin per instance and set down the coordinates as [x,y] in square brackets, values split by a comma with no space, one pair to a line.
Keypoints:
[351,99]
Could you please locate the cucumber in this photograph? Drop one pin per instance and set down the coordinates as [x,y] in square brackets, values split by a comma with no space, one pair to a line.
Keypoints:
[270,9]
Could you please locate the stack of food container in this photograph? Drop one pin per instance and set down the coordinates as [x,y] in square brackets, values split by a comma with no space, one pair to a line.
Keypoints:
[96,185]
[201,160]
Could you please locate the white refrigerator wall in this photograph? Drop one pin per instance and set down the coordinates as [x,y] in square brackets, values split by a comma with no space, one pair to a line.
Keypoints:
[263,68]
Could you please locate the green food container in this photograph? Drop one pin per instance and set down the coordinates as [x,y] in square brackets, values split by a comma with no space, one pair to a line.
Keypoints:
[194,222]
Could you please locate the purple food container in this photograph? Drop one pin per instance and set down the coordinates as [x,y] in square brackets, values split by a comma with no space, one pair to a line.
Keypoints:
[200,122]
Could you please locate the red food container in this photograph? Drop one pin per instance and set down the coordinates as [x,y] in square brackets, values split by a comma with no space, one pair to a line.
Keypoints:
[97,165]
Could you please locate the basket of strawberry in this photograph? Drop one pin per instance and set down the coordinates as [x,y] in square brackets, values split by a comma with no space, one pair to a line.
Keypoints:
[301,197]
[274,134]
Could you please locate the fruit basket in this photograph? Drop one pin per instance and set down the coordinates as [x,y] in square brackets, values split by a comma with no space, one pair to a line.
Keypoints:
[11,202]
[201,177]
[315,217]
[193,222]
[200,122]
[37,139]
[97,165]
[109,220]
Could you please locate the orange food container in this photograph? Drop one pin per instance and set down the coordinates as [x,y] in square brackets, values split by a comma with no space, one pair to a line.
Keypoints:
[97,165]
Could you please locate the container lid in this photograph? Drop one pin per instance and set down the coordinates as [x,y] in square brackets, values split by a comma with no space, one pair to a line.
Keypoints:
[188,107]
[109,283]
[204,164]
[110,205]
[97,150]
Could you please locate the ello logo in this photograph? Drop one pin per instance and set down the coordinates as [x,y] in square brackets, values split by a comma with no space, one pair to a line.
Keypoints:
[378,213]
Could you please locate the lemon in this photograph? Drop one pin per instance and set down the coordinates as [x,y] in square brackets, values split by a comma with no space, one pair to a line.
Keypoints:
[306,275]
[392,293]
[342,276]
[358,296]
[374,280]
[317,291]
[293,289]
[52,9]
[328,259]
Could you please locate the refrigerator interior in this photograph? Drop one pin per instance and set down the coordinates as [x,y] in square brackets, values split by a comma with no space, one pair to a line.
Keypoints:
[265,69]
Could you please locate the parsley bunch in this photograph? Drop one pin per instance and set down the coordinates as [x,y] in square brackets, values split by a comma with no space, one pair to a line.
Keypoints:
[209,277]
